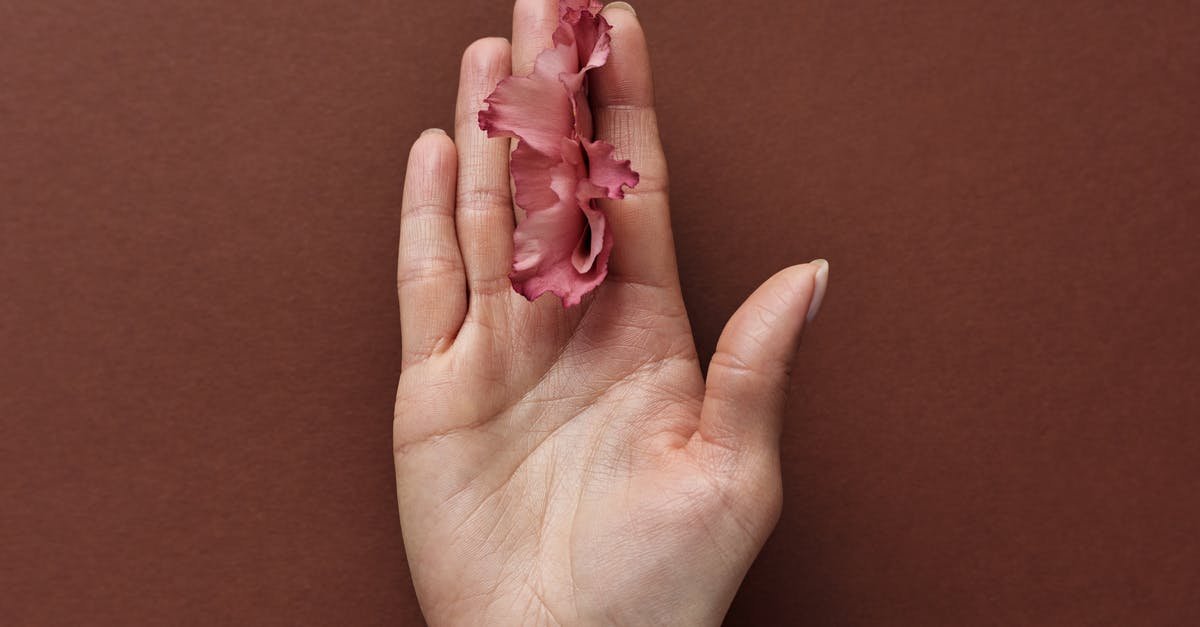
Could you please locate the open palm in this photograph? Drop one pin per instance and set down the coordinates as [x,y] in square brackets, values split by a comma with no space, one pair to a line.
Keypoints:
[572,466]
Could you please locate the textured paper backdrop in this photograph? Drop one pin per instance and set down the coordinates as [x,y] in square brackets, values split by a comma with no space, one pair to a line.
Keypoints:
[995,418]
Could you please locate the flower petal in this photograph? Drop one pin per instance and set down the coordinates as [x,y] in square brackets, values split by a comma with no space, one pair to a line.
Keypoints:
[606,172]
[589,37]
[538,108]
[559,274]
[568,7]
[591,242]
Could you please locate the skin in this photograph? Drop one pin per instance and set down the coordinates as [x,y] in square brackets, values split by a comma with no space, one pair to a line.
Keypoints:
[574,466]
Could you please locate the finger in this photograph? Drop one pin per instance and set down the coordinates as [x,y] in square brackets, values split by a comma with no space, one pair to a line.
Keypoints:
[749,374]
[484,215]
[534,23]
[429,274]
[622,98]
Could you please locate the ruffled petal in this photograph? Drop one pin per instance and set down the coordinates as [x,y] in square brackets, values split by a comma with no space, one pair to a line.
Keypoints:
[539,180]
[606,172]
[589,37]
[557,273]
[539,108]
[591,242]
[590,34]
[568,7]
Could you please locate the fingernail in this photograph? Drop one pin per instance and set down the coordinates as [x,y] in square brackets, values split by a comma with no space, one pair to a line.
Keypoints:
[621,5]
[433,131]
[821,281]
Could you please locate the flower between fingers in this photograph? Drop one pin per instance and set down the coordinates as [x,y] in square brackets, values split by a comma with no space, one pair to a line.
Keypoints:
[564,243]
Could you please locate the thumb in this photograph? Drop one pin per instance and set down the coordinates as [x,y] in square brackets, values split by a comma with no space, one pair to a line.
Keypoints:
[749,374]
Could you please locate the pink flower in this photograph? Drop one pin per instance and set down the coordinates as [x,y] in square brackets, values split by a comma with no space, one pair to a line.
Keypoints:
[563,244]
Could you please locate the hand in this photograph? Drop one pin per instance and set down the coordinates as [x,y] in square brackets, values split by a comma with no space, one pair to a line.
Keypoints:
[573,466]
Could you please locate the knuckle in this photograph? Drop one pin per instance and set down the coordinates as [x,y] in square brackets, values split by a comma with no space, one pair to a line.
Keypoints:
[426,208]
[731,363]
[491,285]
[483,199]
[430,270]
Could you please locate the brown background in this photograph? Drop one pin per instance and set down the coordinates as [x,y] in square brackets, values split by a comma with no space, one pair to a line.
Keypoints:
[995,417]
